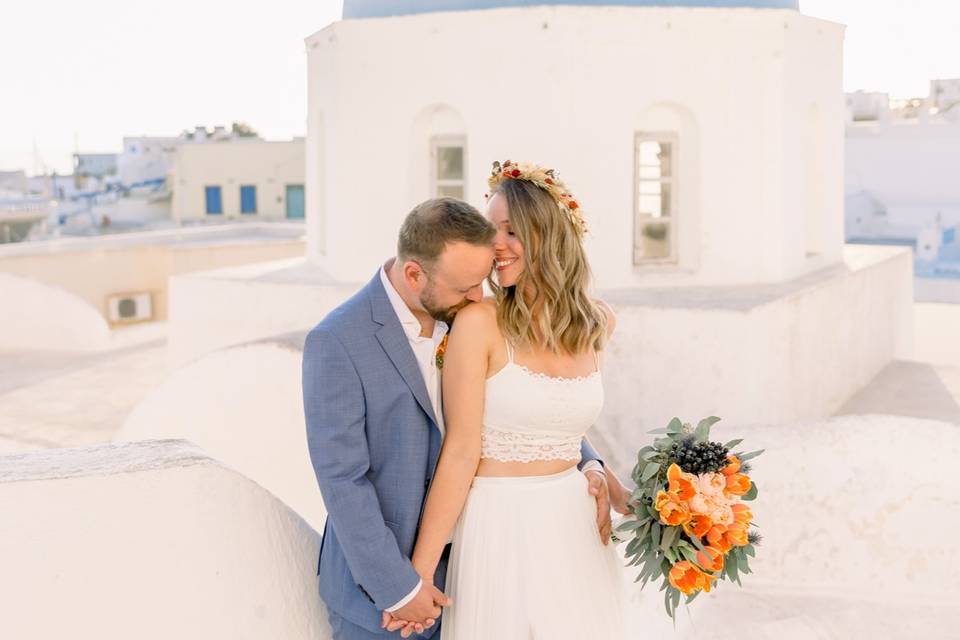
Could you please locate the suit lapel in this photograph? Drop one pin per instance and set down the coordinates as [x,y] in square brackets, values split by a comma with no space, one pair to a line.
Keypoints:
[397,347]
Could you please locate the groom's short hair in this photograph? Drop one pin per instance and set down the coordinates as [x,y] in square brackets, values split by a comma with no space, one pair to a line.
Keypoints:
[434,223]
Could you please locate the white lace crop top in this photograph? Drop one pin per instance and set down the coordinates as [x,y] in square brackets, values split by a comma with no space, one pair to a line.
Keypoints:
[531,416]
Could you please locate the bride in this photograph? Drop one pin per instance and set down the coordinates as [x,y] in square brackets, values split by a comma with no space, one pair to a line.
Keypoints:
[521,386]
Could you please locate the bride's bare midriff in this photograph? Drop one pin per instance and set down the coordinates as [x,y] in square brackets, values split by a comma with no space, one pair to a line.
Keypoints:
[496,468]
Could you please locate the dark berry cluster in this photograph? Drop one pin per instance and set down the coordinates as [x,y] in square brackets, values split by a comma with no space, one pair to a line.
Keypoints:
[698,457]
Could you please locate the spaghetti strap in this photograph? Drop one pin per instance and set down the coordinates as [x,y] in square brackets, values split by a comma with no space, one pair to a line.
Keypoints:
[596,358]
[509,350]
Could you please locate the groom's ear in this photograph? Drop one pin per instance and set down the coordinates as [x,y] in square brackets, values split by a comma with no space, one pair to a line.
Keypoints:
[414,275]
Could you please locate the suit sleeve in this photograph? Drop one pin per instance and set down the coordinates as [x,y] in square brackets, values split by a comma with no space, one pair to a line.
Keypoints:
[587,453]
[336,434]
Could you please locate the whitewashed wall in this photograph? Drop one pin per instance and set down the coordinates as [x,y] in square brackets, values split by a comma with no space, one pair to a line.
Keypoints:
[268,165]
[244,406]
[150,540]
[754,355]
[217,309]
[35,315]
[568,86]
[92,269]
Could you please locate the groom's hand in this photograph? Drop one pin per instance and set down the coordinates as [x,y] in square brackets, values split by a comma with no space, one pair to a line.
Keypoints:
[597,486]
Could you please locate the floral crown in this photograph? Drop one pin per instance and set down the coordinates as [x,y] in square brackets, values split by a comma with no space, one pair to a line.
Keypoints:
[547,180]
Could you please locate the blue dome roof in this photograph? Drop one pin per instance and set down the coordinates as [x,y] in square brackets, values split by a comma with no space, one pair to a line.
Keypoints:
[379,8]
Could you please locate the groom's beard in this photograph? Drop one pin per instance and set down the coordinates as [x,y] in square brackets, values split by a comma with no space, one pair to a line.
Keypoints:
[443,314]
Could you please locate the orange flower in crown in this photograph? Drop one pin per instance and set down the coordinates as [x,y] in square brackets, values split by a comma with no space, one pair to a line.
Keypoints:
[547,180]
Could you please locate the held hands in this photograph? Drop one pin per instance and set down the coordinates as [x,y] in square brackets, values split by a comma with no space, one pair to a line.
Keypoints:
[607,489]
[419,614]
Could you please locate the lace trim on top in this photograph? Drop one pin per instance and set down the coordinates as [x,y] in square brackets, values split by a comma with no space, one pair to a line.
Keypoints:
[514,446]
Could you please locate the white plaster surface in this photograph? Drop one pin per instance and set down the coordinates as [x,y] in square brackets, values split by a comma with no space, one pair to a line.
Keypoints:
[35,315]
[216,309]
[766,355]
[244,406]
[150,540]
[754,97]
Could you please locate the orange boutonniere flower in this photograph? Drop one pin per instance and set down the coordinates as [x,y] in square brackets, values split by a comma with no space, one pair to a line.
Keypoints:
[441,349]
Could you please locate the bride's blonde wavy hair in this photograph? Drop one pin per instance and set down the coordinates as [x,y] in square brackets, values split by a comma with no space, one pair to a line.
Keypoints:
[559,313]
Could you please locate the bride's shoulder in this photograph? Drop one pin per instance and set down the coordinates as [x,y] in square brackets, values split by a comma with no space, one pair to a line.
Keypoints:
[478,314]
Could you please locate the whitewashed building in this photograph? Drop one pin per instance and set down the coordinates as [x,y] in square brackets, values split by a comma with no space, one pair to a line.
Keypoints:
[239,178]
[146,158]
[632,105]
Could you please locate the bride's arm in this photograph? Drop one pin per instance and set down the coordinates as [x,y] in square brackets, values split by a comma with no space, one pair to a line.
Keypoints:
[464,374]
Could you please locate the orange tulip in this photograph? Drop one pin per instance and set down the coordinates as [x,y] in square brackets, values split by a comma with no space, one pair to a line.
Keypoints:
[738,484]
[681,483]
[737,534]
[717,538]
[697,525]
[732,467]
[712,560]
[741,513]
[687,578]
[673,511]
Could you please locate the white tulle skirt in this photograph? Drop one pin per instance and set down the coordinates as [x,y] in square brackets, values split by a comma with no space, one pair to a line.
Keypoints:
[527,564]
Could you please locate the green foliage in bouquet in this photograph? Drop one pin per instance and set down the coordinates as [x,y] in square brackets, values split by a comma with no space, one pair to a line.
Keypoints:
[689,526]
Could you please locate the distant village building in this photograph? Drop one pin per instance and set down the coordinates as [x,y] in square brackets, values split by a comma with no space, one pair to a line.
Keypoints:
[13,181]
[146,158]
[945,94]
[238,178]
[94,165]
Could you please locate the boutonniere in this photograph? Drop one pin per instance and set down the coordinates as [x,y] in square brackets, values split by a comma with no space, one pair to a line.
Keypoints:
[441,349]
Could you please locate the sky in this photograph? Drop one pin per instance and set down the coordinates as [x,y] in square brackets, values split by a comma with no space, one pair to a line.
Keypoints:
[81,76]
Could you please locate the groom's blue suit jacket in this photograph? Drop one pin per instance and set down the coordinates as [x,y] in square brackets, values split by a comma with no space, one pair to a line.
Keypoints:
[374,444]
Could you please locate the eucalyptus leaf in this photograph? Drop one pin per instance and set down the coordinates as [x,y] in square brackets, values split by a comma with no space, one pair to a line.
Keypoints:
[629,525]
[663,444]
[752,493]
[662,430]
[651,470]
[652,453]
[697,543]
[693,596]
[675,426]
[751,455]
[656,534]
[669,536]
[732,443]
[750,551]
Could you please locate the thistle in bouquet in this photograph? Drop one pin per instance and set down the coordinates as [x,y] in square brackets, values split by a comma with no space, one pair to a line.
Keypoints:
[689,525]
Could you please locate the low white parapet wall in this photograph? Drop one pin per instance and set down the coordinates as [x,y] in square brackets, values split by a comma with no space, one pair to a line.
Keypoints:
[150,540]
[243,405]
[759,354]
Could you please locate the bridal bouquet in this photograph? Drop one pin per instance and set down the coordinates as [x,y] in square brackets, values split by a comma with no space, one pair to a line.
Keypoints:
[688,523]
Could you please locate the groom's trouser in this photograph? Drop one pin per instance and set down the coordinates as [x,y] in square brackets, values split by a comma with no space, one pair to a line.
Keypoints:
[345,630]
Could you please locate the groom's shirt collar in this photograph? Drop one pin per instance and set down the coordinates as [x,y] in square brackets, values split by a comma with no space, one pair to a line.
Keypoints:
[411,326]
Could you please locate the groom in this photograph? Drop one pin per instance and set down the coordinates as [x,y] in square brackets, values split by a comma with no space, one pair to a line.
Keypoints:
[371,393]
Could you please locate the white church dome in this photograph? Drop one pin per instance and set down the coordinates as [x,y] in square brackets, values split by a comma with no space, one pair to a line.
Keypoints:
[379,8]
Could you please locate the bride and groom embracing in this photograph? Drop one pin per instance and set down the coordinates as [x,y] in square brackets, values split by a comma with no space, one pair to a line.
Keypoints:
[455,473]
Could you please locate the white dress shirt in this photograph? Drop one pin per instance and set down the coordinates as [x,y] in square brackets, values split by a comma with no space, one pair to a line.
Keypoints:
[424,350]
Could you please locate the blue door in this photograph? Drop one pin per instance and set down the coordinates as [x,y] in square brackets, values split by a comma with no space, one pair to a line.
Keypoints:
[214,202]
[295,201]
[248,199]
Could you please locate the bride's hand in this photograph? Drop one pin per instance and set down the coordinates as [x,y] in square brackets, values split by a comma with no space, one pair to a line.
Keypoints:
[391,624]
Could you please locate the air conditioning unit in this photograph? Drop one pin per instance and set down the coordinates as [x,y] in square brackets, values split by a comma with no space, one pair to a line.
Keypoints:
[126,308]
